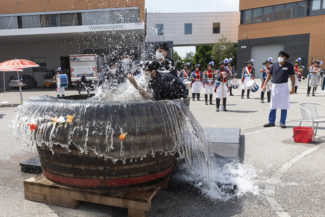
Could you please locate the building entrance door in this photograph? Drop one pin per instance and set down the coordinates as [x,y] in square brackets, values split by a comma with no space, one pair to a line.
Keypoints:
[263,52]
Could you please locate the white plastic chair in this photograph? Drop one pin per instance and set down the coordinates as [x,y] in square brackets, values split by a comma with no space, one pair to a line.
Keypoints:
[309,113]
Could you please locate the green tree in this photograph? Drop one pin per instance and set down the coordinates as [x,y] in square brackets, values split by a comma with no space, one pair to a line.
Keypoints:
[224,49]
[176,56]
[203,55]
[189,58]
[177,60]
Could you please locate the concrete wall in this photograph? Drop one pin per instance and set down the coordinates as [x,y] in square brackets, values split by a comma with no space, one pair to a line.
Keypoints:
[248,4]
[202,24]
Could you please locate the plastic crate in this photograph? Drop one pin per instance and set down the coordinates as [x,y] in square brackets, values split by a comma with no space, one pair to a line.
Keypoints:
[303,134]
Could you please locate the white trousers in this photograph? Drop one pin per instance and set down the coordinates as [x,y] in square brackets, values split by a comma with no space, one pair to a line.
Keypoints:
[247,79]
[196,86]
[60,91]
[229,83]
[297,81]
[222,91]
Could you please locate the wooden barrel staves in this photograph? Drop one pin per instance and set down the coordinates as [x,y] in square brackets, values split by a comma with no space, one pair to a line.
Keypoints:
[89,151]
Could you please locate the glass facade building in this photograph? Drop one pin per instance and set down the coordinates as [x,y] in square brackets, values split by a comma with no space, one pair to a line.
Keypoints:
[76,18]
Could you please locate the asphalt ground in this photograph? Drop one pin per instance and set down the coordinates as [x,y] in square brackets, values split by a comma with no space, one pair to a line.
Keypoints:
[290,176]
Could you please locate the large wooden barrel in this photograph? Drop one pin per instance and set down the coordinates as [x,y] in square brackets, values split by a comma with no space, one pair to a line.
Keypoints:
[89,152]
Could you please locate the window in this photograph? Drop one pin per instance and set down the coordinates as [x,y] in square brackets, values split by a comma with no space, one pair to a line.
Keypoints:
[33,21]
[50,20]
[301,9]
[289,9]
[124,16]
[8,22]
[247,16]
[159,29]
[96,18]
[268,14]
[315,4]
[278,12]
[216,28]
[188,28]
[69,20]
[257,15]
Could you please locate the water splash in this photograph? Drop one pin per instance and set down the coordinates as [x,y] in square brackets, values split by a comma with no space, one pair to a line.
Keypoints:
[98,123]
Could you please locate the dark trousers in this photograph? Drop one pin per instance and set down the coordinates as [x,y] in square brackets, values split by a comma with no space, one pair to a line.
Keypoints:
[272,116]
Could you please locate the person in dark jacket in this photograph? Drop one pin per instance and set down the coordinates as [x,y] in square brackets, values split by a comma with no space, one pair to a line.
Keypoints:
[83,84]
[166,65]
[164,86]
[119,69]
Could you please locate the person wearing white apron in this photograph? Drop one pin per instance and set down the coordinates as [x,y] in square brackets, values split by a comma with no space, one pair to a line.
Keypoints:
[222,76]
[208,82]
[298,74]
[231,75]
[280,73]
[183,75]
[248,74]
[314,73]
[264,73]
[196,78]
[60,91]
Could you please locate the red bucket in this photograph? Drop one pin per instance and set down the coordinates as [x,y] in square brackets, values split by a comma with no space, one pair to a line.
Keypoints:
[303,134]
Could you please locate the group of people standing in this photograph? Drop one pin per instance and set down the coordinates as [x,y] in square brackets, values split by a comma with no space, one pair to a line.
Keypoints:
[222,81]
[218,81]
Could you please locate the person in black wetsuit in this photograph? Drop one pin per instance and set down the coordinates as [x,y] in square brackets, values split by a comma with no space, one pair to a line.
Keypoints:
[164,86]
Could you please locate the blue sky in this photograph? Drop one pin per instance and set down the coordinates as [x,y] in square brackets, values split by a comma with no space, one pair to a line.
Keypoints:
[164,6]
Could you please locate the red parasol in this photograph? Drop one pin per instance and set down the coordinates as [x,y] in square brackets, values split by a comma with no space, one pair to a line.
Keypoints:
[18,64]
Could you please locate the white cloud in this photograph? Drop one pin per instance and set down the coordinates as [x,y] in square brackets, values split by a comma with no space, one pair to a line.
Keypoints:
[183,50]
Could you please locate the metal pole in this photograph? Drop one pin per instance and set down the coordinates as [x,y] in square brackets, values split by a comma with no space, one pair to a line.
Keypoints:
[20,91]
[4,82]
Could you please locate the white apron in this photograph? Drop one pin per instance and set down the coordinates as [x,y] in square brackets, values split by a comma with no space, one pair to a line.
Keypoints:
[314,80]
[209,87]
[196,86]
[222,91]
[280,97]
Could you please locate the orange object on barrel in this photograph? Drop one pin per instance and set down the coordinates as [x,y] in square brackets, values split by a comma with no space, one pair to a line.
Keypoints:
[122,136]
[32,127]
[303,134]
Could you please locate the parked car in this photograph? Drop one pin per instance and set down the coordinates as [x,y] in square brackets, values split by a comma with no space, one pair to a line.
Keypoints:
[27,80]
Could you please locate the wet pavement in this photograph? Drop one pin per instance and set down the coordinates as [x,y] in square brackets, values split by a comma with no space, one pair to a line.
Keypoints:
[291,176]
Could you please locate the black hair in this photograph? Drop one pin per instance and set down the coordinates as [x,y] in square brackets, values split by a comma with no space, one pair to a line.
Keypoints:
[285,54]
[163,46]
[150,65]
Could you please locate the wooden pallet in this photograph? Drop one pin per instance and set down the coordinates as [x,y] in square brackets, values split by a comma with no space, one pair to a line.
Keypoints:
[137,201]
